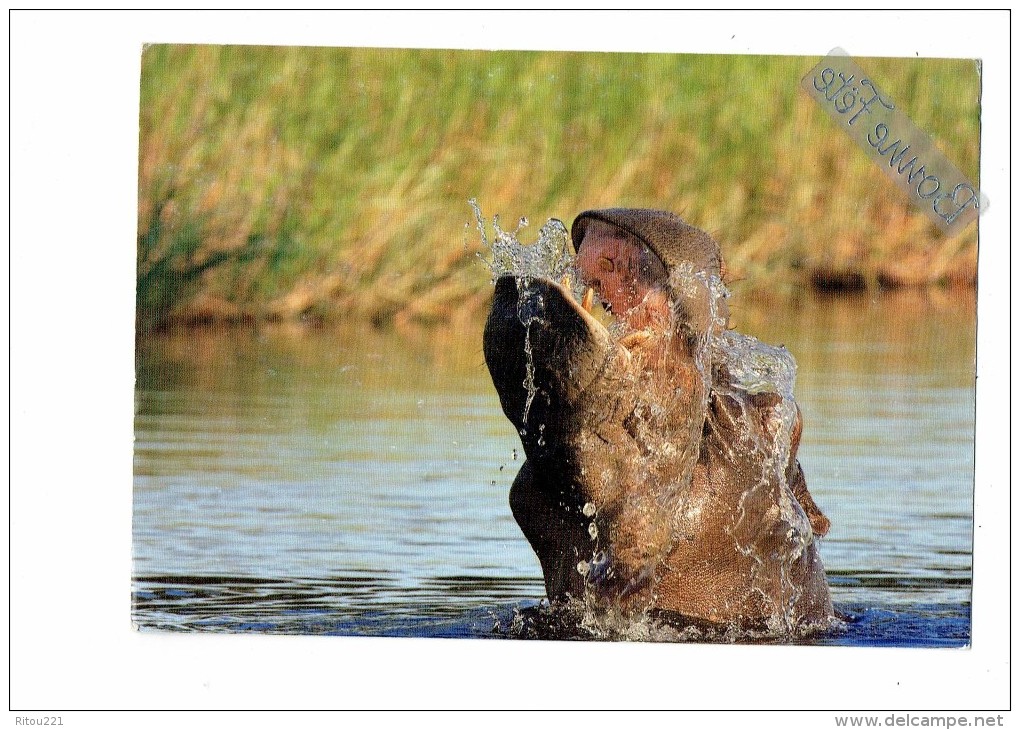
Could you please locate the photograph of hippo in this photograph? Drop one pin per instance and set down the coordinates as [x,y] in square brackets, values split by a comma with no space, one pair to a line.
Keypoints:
[714,384]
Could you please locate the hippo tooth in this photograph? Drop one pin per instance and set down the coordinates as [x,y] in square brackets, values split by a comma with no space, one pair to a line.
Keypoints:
[587,299]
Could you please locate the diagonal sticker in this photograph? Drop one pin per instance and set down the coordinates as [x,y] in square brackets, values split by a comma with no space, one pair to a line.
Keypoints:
[890,138]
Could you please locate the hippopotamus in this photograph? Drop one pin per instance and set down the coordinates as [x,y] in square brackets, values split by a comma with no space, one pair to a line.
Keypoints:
[658,478]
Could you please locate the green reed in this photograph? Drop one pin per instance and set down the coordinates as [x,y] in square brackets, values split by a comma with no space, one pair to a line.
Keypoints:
[277,183]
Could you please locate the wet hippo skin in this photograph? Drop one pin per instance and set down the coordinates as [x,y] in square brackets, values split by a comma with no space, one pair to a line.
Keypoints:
[651,480]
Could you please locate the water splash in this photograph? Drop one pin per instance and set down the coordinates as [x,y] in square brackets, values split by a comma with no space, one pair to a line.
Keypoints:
[754,366]
[581,619]
[548,257]
[757,369]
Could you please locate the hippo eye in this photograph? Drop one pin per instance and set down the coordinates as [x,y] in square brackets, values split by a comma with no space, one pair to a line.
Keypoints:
[606,264]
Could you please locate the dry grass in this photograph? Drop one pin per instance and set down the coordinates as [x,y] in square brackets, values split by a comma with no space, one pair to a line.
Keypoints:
[285,183]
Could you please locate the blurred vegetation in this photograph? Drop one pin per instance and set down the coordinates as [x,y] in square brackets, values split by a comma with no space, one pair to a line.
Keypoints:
[312,183]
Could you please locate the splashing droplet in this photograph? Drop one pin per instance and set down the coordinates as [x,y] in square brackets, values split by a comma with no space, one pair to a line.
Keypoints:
[550,256]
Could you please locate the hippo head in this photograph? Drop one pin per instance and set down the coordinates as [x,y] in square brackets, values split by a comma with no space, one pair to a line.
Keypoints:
[601,415]
[562,377]
[634,472]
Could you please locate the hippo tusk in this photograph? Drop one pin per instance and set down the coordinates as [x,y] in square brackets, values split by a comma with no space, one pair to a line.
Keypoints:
[587,299]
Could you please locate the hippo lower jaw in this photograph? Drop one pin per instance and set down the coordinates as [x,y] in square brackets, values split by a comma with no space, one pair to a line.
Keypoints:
[545,353]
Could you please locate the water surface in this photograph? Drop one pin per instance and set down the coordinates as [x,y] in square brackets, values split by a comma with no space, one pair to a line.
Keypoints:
[344,481]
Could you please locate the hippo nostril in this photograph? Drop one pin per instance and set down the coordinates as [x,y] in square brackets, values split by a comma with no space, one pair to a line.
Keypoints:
[606,264]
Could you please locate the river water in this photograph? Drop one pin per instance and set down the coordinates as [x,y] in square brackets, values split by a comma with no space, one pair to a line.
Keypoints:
[349,482]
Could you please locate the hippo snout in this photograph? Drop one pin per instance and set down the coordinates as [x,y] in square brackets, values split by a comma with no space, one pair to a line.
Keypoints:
[543,351]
